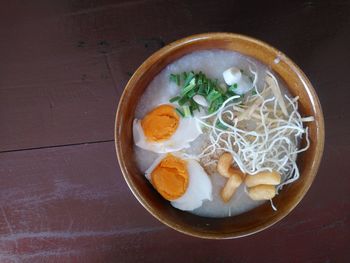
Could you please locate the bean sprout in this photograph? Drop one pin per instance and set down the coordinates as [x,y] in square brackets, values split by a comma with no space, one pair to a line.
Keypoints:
[259,135]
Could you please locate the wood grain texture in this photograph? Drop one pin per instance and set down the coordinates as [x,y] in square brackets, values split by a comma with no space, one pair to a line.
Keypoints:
[65,205]
[70,203]
[67,62]
[56,85]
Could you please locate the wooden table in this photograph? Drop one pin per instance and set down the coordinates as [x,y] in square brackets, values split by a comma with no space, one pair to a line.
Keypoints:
[63,67]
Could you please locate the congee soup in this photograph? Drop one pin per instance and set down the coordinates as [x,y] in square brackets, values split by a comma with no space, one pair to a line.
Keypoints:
[217,133]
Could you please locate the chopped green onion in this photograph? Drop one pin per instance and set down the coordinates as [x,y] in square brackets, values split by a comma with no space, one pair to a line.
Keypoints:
[191,93]
[191,85]
[209,87]
[200,78]
[198,83]
[213,95]
[180,112]
[187,111]
[213,107]
[220,100]
[201,90]
[175,99]
[175,78]
[189,77]
[183,100]
[191,110]
[184,76]
[254,92]
[230,93]
[172,78]
[194,105]
[216,82]
[234,86]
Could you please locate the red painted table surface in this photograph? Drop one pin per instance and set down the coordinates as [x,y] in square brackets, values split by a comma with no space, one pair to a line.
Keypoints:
[63,66]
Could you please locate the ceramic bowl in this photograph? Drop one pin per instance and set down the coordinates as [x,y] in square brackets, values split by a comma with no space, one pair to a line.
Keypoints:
[252,221]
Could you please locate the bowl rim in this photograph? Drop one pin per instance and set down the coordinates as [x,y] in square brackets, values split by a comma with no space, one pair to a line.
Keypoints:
[320,134]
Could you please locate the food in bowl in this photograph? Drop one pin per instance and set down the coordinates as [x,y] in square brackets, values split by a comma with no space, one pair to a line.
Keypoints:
[217,133]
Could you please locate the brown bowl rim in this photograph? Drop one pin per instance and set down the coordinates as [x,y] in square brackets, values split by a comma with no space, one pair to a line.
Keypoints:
[320,135]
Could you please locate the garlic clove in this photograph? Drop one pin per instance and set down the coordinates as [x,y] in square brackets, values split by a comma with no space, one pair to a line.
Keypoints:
[232,75]
[199,99]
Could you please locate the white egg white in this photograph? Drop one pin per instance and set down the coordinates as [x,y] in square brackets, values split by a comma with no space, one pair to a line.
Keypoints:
[187,131]
[199,185]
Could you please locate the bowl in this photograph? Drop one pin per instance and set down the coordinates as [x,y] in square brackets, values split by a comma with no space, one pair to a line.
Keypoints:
[254,220]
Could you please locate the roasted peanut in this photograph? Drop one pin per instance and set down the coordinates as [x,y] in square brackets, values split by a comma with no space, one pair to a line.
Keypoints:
[262,192]
[233,182]
[270,178]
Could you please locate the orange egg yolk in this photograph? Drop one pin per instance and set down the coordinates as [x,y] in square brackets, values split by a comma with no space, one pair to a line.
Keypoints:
[170,177]
[161,123]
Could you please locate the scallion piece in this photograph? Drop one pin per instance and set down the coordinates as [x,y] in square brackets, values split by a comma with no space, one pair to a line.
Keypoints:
[189,77]
[175,78]
[232,88]
[201,90]
[191,110]
[212,108]
[191,93]
[209,86]
[200,78]
[183,100]
[198,83]
[172,77]
[213,95]
[184,76]
[194,105]
[191,85]
[230,93]
[174,99]
[178,111]
[187,111]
